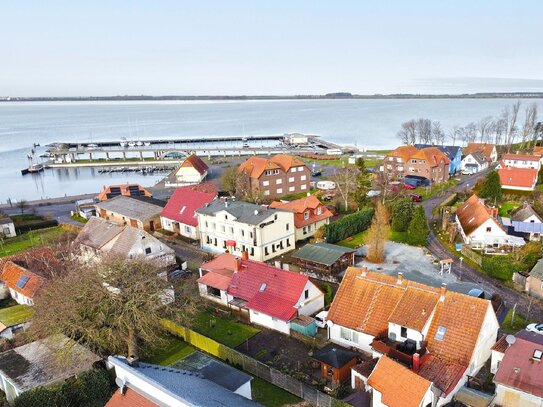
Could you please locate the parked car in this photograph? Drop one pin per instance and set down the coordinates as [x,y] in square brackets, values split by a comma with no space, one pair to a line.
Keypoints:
[537,328]
[320,319]
[316,173]
[373,193]
[394,186]
[415,197]
[409,186]
[466,172]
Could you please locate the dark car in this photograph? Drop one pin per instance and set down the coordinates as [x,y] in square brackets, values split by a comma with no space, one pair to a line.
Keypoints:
[415,197]
[316,173]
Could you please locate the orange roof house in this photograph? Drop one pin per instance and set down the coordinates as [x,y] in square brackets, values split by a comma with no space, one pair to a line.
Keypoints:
[428,162]
[521,179]
[255,166]
[474,213]
[22,283]
[112,191]
[488,150]
[192,171]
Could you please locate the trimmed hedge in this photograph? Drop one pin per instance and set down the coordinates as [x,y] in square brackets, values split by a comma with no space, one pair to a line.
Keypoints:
[36,225]
[349,225]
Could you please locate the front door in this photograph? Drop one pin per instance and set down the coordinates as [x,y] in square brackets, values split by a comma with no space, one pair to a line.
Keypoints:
[152,225]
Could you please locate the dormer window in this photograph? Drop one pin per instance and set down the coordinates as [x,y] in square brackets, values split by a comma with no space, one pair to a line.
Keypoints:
[306,215]
[319,210]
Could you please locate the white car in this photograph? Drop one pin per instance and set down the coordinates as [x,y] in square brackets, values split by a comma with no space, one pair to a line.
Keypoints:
[537,328]
[320,319]
[373,193]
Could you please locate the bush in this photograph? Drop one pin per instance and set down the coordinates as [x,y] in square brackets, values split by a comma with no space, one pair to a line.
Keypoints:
[327,294]
[92,388]
[348,225]
[402,213]
[36,225]
[418,231]
[503,267]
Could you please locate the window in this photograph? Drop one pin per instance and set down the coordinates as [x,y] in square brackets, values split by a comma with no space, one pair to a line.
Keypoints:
[440,333]
[287,226]
[306,294]
[231,230]
[225,217]
[403,332]
[300,169]
[306,215]
[489,229]
[275,217]
[266,192]
[242,232]
[319,210]
[290,179]
[147,250]
[288,242]
[538,354]
[188,229]
[266,252]
[304,186]
[278,181]
[291,189]
[348,335]
[279,190]
[223,228]
[265,183]
[293,169]
[303,177]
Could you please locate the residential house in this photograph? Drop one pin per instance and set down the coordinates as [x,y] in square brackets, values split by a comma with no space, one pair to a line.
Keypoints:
[238,227]
[7,227]
[520,161]
[519,179]
[85,208]
[192,171]
[14,319]
[474,162]
[132,190]
[179,215]
[141,213]
[100,237]
[394,385]
[37,364]
[442,335]
[23,284]
[525,222]
[481,228]
[519,376]
[276,176]
[534,280]
[453,153]
[324,258]
[407,161]
[309,215]
[488,150]
[146,385]
[262,294]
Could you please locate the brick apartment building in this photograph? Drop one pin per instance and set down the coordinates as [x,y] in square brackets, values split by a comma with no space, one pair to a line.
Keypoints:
[277,176]
[428,162]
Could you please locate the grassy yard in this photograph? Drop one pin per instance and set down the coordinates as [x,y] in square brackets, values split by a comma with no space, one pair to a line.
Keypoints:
[338,161]
[299,195]
[15,315]
[507,207]
[79,219]
[173,350]
[271,396]
[224,330]
[427,192]
[518,323]
[28,240]
[360,238]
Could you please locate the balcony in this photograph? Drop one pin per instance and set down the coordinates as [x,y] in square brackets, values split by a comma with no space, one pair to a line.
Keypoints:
[391,348]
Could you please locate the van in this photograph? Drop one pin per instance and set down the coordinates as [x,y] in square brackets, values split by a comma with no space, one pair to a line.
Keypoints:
[320,319]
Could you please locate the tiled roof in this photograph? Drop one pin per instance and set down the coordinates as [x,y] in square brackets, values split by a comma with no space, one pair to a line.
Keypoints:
[244,212]
[415,308]
[524,212]
[365,368]
[366,303]
[399,386]
[404,152]
[216,280]
[517,177]
[537,270]
[131,208]
[538,150]
[479,157]
[195,162]
[518,369]
[98,232]
[255,166]
[12,274]
[130,398]
[222,264]
[334,356]
[432,155]
[5,220]
[444,374]
[484,148]
[123,189]
[449,151]
[501,345]
[322,253]
[302,205]
[521,157]
[183,203]
[473,213]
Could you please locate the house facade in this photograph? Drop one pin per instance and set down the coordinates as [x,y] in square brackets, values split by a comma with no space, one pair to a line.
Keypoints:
[443,336]
[261,294]
[520,161]
[519,179]
[178,216]
[534,280]
[7,227]
[262,232]
[429,163]
[309,215]
[23,284]
[141,213]
[192,171]
[474,162]
[453,153]
[488,150]
[276,176]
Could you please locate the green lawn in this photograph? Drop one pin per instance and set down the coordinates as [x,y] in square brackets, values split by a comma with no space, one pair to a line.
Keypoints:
[360,238]
[398,237]
[299,195]
[269,395]
[25,241]
[507,207]
[519,322]
[427,192]
[338,162]
[79,219]
[15,315]
[173,350]
[224,330]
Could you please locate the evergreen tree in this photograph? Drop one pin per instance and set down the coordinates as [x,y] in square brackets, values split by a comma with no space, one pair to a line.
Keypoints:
[363,182]
[540,176]
[418,231]
[492,188]
[402,213]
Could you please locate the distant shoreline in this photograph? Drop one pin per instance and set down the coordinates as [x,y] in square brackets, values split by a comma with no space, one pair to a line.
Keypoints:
[329,96]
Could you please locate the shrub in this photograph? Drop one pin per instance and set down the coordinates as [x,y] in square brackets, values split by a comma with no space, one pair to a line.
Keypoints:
[348,225]
[327,294]
[36,225]
[402,213]
[418,231]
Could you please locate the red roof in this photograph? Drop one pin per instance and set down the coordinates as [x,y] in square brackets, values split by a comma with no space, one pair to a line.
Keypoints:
[130,398]
[216,280]
[186,200]
[518,177]
[223,264]
[195,162]
[300,207]
[445,374]
[521,157]
[12,273]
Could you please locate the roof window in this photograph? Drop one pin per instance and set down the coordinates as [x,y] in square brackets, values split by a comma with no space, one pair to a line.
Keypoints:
[262,287]
[538,353]
[440,333]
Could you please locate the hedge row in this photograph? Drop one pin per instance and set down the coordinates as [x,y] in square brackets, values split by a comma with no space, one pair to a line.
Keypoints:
[36,225]
[349,225]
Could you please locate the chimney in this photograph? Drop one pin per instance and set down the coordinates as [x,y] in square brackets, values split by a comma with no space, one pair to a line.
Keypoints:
[245,255]
[226,204]
[363,272]
[443,292]
[133,361]
[237,264]
[400,279]
[416,362]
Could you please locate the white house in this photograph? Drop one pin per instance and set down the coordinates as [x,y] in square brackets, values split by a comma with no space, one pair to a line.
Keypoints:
[262,232]
[480,227]
[520,161]
[23,284]
[7,228]
[445,336]
[474,162]
[519,179]
[192,171]
[263,294]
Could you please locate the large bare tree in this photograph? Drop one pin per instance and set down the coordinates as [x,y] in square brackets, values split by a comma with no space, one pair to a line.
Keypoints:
[509,117]
[408,132]
[378,233]
[346,180]
[528,132]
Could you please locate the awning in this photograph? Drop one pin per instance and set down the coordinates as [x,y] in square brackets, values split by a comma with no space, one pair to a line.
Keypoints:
[231,243]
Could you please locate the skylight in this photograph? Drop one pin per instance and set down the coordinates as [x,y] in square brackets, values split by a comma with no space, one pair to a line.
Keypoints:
[22,281]
[440,333]
[262,287]
[538,354]
[182,210]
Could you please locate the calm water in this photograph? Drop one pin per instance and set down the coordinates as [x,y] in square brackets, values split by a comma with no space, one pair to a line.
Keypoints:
[366,123]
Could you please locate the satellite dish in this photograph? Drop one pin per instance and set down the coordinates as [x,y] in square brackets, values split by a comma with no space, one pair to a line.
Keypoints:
[330,323]
[121,384]
[510,339]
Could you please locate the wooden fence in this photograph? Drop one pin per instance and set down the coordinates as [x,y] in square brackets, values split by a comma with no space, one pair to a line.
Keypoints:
[472,255]
[253,366]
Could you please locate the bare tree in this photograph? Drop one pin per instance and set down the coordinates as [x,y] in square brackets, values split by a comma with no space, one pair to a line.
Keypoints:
[509,116]
[424,131]
[484,127]
[529,126]
[408,132]
[346,183]
[454,134]
[22,205]
[378,233]
[438,134]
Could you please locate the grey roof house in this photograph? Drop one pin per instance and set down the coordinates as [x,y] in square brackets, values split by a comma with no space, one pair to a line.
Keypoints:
[139,212]
[324,258]
[38,364]
[7,227]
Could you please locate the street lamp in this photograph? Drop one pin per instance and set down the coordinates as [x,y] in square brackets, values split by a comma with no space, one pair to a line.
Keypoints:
[460,269]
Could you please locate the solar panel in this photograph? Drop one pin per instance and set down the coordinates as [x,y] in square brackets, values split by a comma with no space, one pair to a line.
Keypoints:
[22,281]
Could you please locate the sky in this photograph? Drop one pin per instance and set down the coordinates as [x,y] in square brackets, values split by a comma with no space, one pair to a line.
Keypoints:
[231,47]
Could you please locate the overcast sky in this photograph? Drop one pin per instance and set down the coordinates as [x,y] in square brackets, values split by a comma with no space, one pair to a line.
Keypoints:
[254,47]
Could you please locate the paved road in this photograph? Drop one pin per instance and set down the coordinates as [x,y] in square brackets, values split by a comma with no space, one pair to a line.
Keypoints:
[468,273]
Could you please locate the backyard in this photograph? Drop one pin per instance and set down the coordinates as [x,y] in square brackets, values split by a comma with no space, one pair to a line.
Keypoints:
[507,207]
[427,192]
[225,330]
[16,314]
[512,326]
[170,351]
[30,239]
[359,239]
